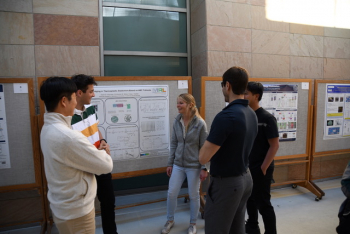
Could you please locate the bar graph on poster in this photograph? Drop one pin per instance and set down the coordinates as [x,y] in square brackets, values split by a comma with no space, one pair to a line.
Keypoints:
[4,144]
[134,120]
[282,102]
[337,116]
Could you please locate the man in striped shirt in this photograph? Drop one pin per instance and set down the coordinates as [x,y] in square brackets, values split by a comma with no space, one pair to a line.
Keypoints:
[86,121]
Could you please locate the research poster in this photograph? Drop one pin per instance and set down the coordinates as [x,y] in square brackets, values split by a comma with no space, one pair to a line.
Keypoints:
[4,144]
[282,102]
[134,120]
[337,111]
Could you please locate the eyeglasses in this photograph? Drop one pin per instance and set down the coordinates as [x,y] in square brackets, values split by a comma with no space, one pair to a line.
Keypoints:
[223,84]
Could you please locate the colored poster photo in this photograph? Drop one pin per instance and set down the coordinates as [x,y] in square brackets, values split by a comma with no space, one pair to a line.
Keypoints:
[282,102]
[337,112]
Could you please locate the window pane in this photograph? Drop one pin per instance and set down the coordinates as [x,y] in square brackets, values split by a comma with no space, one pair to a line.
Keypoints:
[145,66]
[126,29]
[168,3]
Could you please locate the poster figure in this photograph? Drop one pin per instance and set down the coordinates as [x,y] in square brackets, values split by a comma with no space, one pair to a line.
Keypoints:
[282,102]
[337,111]
[4,143]
[134,120]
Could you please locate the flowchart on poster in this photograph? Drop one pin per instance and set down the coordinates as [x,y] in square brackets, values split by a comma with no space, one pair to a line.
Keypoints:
[134,120]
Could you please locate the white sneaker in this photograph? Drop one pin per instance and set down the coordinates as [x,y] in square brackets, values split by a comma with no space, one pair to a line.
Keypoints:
[168,225]
[192,229]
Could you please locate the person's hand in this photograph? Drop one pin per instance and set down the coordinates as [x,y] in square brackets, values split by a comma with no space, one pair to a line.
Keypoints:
[169,170]
[263,170]
[203,175]
[105,146]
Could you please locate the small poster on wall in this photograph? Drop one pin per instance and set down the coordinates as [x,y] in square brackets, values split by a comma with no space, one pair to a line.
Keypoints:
[4,143]
[134,120]
[282,102]
[337,111]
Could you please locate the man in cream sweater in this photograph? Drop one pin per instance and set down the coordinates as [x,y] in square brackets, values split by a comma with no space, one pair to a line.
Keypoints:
[70,160]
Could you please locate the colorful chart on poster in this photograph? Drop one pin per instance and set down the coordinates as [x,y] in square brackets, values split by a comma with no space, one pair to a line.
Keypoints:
[134,120]
[337,111]
[282,102]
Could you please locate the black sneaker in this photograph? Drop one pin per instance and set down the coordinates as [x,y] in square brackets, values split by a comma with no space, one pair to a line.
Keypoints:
[252,230]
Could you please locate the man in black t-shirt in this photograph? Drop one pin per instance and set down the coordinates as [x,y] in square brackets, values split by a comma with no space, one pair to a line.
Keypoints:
[228,146]
[261,164]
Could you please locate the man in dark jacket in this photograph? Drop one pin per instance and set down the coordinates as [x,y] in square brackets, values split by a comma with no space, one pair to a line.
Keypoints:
[227,147]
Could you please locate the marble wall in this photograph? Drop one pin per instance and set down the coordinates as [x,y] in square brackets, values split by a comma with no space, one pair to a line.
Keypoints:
[236,32]
[227,33]
[48,38]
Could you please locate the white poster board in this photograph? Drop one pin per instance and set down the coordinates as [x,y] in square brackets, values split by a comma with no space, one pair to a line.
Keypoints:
[4,143]
[134,120]
[282,102]
[337,116]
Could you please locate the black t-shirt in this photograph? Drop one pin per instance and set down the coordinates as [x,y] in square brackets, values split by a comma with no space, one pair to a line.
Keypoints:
[234,129]
[267,129]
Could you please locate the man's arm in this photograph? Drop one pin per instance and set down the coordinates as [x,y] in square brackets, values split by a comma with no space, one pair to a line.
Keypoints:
[83,155]
[103,144]
[274,145]
[207,151]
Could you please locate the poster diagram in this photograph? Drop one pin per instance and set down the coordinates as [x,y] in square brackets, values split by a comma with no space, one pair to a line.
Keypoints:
[337,108]
[134,120]
[282,102]
[4,144]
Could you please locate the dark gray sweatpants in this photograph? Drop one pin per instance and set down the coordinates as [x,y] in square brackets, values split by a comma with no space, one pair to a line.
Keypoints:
[226,204]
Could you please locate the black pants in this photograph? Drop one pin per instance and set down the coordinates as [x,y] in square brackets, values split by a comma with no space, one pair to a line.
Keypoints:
[260,201]
[105,195]
[344,218]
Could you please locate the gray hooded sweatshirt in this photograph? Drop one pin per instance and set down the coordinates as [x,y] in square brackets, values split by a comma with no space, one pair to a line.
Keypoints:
[184,152]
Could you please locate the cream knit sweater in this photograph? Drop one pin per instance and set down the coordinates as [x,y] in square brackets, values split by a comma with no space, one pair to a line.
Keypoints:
[70,162]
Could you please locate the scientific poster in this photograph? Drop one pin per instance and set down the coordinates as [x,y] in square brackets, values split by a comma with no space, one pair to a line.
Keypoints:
[337,111]
[134,120]
[4,144]
[282,102]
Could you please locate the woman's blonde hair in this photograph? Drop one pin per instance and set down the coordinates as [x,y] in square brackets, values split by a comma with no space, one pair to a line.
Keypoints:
[189,99]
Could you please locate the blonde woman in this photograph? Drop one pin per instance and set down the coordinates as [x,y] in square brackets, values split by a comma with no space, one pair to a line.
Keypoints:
[188,136]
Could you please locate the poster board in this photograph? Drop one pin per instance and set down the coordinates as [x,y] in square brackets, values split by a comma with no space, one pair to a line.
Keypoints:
[213,102]
[321,146]
[24,155]
[142,166]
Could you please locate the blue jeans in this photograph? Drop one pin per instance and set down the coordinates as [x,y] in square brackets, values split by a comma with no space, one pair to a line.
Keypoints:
[178,176]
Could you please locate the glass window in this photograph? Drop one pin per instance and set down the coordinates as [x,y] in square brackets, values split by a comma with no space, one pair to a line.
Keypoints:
[144,66]
[126,29]
[168,3]
[145,38]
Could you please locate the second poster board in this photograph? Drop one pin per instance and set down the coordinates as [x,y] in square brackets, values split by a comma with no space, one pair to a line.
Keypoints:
[323,144]
[213,102]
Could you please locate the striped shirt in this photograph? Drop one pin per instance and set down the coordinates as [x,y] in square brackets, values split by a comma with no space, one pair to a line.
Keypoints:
[86,122]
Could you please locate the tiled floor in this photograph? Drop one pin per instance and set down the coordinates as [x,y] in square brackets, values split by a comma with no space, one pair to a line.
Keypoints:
[296,211]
